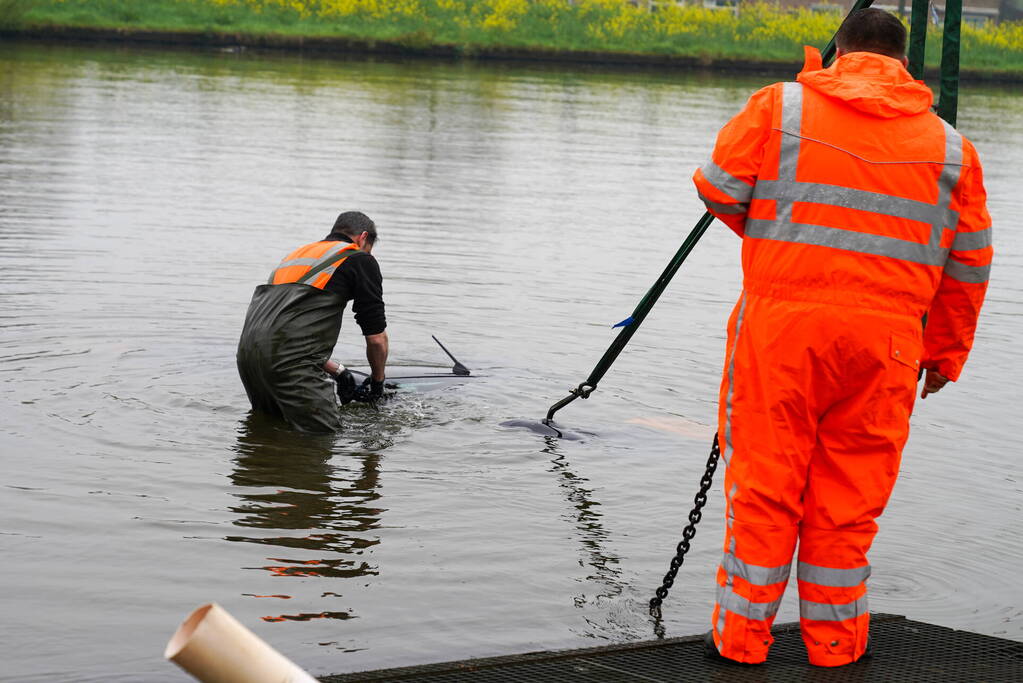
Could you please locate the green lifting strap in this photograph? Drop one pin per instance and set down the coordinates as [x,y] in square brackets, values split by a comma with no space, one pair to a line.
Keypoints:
[948,101]
[918,38]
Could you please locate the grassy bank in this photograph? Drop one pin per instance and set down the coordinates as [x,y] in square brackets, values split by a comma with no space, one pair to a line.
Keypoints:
[759,32]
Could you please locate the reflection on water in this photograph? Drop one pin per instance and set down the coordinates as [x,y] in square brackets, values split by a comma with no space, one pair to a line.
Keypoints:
[523,209]
[585,516]
[290,482]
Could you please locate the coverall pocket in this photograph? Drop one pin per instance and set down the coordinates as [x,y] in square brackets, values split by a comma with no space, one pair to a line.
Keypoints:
[906,350]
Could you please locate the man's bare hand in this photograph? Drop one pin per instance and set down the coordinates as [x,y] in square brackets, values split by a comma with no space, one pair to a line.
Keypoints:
[933,382]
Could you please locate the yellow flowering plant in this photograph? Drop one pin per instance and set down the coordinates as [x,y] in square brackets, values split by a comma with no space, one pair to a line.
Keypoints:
[755,32]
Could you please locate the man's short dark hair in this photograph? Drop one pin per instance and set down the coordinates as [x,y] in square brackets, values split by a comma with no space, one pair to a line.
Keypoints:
[354,223]
[872,30]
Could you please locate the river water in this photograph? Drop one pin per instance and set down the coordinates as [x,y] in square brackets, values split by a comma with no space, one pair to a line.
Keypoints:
[522,210]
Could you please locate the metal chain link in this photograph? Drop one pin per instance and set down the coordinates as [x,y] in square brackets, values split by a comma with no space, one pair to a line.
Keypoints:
[688,532]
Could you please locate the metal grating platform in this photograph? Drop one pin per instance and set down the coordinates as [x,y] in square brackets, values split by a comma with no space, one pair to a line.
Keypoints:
[904,651]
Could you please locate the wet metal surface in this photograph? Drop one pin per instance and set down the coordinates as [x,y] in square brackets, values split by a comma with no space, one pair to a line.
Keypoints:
[902,650]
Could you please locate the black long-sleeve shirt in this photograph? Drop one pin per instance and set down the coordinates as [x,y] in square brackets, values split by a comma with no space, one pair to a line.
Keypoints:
[358,280]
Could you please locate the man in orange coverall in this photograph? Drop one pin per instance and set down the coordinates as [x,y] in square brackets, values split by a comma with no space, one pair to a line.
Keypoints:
[859,211]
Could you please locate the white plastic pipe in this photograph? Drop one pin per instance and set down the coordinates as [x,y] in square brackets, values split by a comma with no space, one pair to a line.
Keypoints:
[214,647]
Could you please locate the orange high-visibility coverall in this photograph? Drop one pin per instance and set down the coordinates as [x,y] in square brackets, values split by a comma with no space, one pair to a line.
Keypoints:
[860,211]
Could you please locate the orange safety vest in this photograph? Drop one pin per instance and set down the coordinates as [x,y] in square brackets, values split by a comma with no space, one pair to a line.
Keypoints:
[848,190]
[312,264]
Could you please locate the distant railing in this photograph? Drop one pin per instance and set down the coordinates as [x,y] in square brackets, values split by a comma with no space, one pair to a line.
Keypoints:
[976,16]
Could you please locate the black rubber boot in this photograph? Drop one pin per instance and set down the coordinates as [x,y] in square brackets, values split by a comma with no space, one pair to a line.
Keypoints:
[868,652]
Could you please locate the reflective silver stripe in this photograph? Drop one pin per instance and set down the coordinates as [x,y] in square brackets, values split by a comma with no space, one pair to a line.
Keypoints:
[747,608]
[329,256]
[850,198]
[788,160]
[314,263]
[305,279]
[953,160]
[964,273]
[827,576]
[850,240]
[753,573]
[948,179]
[792,123]
[726,454]
[728,577]
[721,611]
[723,208]
[721,620]
[822,611]
[786,190]
[963,241]
[298,262]
[968,241]
[725,182]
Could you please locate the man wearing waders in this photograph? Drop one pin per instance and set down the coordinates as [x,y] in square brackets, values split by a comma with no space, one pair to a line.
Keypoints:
[294,320]
[859,211]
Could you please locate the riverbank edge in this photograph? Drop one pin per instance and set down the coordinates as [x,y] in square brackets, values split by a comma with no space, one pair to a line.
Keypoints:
[354,46]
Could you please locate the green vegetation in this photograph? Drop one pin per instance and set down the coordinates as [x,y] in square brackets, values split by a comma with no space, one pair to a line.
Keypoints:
[757,32]
[13,12]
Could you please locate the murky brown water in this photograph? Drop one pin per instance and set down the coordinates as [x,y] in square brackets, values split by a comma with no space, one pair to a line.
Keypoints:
[522,210]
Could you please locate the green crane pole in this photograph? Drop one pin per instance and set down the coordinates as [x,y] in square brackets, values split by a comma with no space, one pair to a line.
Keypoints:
[632,323]
[948,101]
[918,38]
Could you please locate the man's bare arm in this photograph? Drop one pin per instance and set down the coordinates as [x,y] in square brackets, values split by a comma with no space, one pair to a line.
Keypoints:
[376,354]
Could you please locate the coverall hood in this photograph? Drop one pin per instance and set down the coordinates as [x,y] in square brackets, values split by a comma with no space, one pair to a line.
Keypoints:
[869,82]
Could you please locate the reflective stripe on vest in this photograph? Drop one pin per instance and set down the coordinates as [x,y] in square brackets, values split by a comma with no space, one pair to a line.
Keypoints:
[786,190]
[325,264]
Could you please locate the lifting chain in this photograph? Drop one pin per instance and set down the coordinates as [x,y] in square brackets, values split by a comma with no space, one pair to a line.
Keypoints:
[688,532]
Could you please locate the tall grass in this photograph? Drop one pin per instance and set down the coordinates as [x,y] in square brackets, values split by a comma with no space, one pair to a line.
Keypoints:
[759,32]
[13,13]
